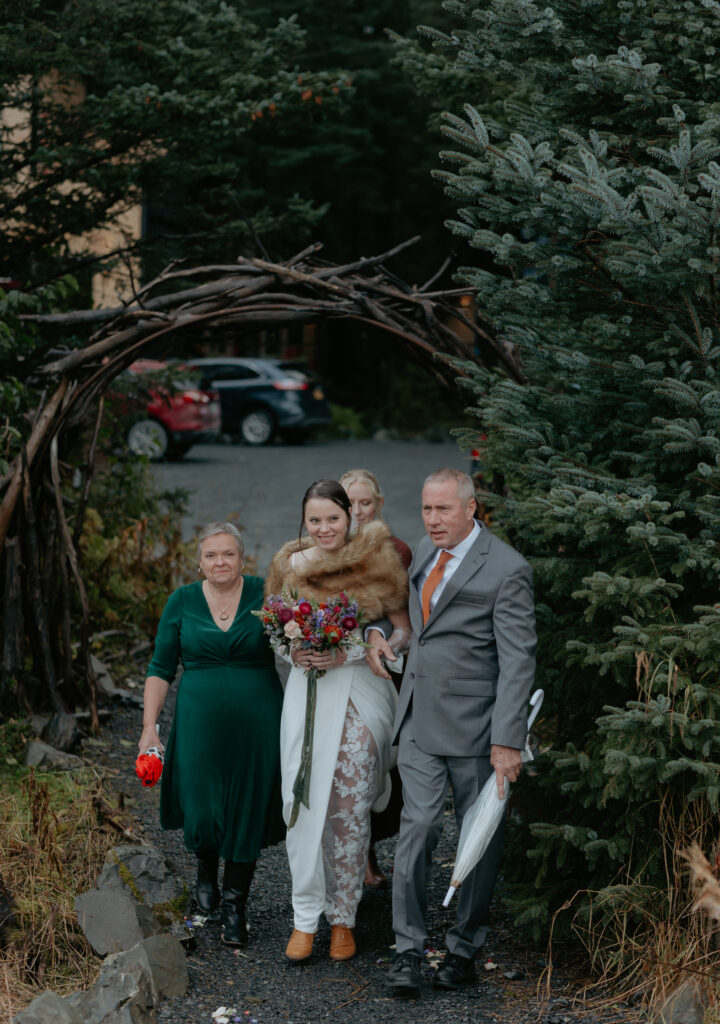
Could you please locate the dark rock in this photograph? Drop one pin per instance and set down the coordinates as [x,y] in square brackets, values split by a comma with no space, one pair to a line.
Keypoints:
[122,994]
[48,1008]
[686,1005]
[163,957]
[103,679]
[143,873]
[113,921]
[41,755]
[130,697]
[38,723]
[62,731]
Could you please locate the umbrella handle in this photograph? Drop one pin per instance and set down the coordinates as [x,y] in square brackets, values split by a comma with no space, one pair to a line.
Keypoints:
[449,895]
[535,703]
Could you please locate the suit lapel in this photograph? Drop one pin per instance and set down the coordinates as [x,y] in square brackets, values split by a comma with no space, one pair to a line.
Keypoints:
[473,560]
[425,552]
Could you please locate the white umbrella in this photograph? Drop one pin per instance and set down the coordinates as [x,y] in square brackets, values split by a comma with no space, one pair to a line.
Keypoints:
[483,818]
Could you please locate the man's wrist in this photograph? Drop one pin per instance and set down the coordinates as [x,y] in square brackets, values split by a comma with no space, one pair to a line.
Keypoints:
[374,629]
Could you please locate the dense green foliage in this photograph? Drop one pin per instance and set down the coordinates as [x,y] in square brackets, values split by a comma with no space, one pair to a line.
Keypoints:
[169,93]
[588,184]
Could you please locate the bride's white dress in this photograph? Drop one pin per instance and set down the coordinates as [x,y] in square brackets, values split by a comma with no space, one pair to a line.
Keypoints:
[352,756]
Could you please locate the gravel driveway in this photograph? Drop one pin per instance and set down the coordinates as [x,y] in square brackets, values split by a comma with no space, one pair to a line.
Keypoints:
[266,988]
[264,486]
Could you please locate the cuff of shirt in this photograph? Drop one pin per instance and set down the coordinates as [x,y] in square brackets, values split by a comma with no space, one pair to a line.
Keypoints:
[370,629]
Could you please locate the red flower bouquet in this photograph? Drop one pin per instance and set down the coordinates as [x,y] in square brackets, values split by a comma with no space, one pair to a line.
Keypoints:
[149,766]
[291,621]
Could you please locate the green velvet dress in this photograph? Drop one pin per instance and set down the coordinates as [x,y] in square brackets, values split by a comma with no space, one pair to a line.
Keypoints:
[221,780]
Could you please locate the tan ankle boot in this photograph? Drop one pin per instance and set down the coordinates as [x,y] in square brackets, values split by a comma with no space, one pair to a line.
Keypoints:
[342,943]
[300,945]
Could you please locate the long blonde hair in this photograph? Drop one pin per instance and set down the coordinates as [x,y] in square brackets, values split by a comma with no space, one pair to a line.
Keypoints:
[364,476]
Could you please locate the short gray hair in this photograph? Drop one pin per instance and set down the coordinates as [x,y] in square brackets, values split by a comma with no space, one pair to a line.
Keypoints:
[464,484]
[212,529]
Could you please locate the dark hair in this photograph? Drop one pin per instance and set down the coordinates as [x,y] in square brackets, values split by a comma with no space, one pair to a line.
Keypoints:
[331,490]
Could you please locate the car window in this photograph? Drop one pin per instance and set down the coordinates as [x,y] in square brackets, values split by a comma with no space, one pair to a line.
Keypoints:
[227,372]
[296,370]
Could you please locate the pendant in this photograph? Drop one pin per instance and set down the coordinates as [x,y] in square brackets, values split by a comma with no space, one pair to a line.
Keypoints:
[223,616]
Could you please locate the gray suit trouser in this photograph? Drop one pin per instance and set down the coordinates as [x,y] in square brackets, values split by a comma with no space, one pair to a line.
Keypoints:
[425,779]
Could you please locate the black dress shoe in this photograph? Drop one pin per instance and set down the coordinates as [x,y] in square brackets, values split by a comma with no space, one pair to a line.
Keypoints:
[455,972]
[403,978]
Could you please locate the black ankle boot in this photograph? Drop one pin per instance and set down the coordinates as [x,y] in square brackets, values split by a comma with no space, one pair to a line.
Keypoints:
[236,886]
[207,893]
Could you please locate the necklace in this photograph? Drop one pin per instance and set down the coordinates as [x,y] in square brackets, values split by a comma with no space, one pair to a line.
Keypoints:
[223,613]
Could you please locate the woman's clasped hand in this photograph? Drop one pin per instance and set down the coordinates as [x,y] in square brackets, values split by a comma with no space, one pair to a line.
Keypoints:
[318,659]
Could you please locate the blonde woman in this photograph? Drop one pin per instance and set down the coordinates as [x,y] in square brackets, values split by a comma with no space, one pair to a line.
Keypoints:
[221,781]
[367,500]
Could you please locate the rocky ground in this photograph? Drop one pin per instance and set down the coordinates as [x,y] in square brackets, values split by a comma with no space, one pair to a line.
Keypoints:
[264,988]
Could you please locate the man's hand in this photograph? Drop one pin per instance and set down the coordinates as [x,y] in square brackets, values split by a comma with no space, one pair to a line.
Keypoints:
[507,763]
[379,649]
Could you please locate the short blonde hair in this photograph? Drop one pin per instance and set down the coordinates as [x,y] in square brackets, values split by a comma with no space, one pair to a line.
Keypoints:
[464,484]
[364,476]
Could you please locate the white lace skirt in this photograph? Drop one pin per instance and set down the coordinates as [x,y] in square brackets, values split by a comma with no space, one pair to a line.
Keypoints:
[352,758]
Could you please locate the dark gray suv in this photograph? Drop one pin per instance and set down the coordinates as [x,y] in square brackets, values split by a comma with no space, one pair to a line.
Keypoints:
[260,398]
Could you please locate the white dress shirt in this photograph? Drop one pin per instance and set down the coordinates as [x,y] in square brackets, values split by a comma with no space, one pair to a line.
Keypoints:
[452,564]
[458,553]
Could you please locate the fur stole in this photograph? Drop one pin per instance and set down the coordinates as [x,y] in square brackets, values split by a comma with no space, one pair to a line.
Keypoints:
[367,568]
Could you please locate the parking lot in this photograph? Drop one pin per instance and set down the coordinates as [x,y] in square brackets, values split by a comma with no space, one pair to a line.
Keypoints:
[264,486]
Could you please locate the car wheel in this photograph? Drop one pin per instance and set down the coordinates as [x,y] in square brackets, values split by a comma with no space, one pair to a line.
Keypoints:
[148,437]
[257,427]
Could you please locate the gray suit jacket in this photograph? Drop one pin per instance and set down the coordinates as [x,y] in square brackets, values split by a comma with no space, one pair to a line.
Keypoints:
[470,669]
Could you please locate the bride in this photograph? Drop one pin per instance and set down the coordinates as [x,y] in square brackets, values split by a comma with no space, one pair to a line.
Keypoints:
[328,844]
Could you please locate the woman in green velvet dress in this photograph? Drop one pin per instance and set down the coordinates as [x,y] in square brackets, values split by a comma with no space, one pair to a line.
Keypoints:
[221,780]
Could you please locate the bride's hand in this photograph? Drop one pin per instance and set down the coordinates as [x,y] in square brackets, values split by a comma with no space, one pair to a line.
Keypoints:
[328,659]
[302,657]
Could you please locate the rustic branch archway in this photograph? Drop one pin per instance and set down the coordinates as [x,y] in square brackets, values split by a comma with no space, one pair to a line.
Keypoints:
[246,296]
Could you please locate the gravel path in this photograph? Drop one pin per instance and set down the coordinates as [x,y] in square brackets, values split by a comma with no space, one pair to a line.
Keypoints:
[265,988]
[264,487]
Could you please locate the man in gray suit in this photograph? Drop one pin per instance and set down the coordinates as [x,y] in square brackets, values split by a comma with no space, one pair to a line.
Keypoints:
[461,714]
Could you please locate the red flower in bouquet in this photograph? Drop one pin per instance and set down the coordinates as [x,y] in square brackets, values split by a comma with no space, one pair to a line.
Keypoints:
[333,633]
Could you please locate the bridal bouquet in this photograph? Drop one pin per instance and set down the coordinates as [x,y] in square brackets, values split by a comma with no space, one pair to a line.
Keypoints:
[290,622]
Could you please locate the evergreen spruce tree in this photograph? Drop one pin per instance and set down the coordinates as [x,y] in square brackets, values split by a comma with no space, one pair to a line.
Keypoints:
[105,102]
[586,169]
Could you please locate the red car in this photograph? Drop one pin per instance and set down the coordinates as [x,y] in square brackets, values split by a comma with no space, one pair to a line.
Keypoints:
[177,416]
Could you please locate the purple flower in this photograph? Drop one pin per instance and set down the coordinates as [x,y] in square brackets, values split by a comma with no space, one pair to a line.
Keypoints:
[284,615]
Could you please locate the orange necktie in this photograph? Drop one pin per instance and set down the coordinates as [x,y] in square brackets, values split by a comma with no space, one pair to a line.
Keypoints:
[432,582]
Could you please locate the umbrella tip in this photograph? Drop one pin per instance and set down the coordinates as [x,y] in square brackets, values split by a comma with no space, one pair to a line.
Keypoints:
[448,896]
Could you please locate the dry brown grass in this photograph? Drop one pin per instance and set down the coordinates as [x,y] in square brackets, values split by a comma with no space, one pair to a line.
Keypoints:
[642,942]
[52,846]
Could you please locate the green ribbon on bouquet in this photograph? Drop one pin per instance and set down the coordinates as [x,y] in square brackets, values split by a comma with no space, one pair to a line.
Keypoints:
[301,786]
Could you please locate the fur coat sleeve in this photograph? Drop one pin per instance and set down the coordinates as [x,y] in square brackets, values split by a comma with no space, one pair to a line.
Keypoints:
[368,568]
